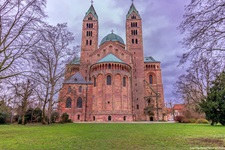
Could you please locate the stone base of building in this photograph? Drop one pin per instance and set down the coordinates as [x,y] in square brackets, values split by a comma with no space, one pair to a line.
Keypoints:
[108,118]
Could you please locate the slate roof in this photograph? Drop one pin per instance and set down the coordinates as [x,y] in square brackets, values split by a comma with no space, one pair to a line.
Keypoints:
[92,11]
[150,59]
[110,58]
[76,79]
[132,9]
[75,60]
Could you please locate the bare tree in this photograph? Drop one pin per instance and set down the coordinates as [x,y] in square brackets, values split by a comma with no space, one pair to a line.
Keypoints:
[24,91]
[18,21]
[203,28]
[195,84]
[49,58]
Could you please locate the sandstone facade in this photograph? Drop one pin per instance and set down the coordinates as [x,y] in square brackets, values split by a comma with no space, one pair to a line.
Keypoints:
[112,81]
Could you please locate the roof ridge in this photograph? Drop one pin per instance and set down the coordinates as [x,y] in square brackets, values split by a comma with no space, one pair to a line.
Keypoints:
[110,58]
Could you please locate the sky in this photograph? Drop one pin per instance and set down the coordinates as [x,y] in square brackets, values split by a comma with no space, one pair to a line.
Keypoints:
[160,19]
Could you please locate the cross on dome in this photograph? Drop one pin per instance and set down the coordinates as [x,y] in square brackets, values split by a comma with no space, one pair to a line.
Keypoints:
[112,30]
[92,2]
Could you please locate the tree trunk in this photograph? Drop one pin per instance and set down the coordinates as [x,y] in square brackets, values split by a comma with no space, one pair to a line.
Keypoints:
[23,119]
[43,114]
[50,104]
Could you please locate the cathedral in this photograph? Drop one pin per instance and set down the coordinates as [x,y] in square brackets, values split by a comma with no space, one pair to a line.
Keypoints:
[112,81]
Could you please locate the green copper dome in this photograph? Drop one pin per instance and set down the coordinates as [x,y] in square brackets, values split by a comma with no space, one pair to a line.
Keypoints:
[112,37]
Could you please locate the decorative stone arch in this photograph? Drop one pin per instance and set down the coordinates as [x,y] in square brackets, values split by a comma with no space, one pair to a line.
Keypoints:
[116,76]
[99,79]
[109,66]
[117,67]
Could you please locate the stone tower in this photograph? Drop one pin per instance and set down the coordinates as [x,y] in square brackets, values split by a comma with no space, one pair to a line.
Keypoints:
[89,40]
[135,47]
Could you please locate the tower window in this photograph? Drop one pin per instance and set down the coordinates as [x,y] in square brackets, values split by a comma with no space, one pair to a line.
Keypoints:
[89,33]
[86,42]
[133,24]
[79,102]
[133,17]
[124,118]
[150,79]
[90,42]
[132,41]
[68,102]
[137,106]
[89,25]
[109,80]
[136,41]
[124,81]
[90,18]
[134,32]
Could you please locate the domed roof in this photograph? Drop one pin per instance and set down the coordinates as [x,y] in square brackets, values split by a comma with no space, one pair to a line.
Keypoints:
[112,37]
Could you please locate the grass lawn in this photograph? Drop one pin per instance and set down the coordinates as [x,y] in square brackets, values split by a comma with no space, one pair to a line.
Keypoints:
[111,136]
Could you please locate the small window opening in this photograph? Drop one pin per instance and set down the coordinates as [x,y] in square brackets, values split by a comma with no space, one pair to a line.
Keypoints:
[109,118]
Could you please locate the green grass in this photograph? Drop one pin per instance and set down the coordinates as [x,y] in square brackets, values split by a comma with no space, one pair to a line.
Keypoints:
[111,136]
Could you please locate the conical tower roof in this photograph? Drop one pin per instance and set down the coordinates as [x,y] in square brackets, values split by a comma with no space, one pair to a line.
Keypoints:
[132,9]
[92,11]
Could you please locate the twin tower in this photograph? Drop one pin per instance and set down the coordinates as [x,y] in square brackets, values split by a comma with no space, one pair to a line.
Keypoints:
[112,81]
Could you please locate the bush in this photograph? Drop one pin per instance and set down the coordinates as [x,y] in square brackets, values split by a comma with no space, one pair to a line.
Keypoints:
[202,121]
[192,120]
[64,118]
[188,120]
[185,120]
[54,116]
[20,120]
[178,119]
[3,118]
[69,120]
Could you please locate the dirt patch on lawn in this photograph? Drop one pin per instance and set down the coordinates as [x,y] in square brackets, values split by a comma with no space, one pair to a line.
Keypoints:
[207,142]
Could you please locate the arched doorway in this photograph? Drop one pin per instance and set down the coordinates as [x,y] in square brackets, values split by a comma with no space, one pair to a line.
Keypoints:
[109,118]
[151,119]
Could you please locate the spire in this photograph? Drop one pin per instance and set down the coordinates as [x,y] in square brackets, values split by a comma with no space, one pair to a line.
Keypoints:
[92,11]
[132,9]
